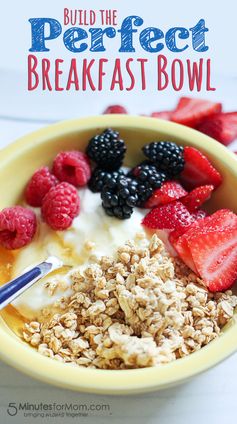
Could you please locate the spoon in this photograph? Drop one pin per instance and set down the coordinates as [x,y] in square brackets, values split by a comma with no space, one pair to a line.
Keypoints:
[15,287]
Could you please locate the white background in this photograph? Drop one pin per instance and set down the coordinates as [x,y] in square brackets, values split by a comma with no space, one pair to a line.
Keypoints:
[210,397]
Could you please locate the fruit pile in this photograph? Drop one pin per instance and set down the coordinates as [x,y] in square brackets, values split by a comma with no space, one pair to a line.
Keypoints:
[156,180]
[203,115]
[55,192]
[172,181]
[207,244]
[120,191]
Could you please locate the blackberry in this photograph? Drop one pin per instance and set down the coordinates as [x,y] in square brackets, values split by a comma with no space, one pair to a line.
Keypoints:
[100,178]
[147,173]
[120,198]
[143,193]
[167,157]
[148,178]
[107,150]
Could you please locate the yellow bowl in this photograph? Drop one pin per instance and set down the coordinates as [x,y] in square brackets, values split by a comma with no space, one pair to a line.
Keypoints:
[20,159]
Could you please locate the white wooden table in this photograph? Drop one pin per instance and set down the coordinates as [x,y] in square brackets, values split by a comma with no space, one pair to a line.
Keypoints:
[211,397]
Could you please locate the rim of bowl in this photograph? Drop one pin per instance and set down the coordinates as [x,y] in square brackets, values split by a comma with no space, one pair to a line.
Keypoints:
[27,360]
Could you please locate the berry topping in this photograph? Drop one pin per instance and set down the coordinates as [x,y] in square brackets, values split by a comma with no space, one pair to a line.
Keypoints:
[209,247]
[222,127]
[148,179]
[198,170]
[197,197]
[199,214]
[181,246]
[146,172]
[107,150]
[167,157]
[115,109]
[223,219]
[72,167]
[119,198]
[191,112]
[60,205]
[172,216]
[100,178]
[169,191]
[39,185]
[166,115]
[17,227]
[215,257]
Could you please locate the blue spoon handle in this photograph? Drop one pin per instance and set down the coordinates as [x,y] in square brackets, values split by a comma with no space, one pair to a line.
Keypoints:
[13,287]
[11,290]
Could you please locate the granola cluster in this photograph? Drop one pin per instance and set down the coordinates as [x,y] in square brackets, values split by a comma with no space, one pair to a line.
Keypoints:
[139,308]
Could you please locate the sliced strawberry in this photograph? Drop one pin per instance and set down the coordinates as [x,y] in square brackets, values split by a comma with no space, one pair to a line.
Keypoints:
[215,257]
[200,214]
[197,216]
[180,244]
[208,246]
[197,197]
[191,112]
[182,247]
[173,216]
[223,219]
[166,115]
[169,191]
[222,127]
[198,170]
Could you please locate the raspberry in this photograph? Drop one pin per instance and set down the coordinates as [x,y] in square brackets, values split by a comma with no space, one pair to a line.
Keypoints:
[60,205]
[39,185]
[72,167]
[17,227]
[115,109]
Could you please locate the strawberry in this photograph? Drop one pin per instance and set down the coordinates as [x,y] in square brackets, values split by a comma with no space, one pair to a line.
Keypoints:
[115,109]
[169,191]
[191,112]
[197,197]
[221,220]
[181,246]
[209,247]
[198,170]
[172,216]
[215,256]
[221,126]
[166,115]
[199,214]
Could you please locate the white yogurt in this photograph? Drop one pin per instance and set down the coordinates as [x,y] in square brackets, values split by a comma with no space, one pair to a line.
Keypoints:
[92,224]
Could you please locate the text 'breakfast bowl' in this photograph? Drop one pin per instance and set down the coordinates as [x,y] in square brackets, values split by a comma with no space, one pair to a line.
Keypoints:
[149,299]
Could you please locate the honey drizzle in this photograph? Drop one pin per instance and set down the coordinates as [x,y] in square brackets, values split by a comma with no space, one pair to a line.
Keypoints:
[10,315]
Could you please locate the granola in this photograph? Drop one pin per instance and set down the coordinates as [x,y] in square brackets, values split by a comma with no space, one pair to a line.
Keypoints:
[139,308]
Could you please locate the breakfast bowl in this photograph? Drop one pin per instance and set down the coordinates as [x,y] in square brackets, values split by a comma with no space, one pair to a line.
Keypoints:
[19,161]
